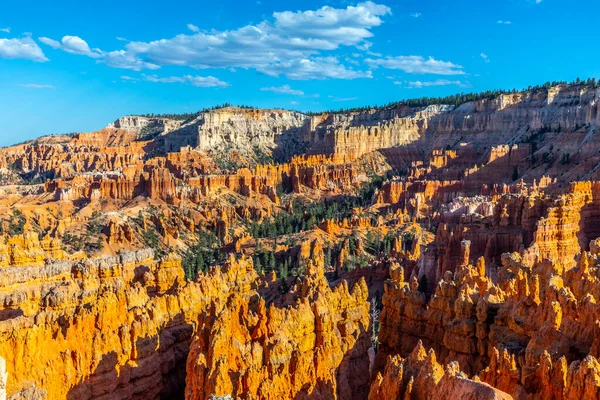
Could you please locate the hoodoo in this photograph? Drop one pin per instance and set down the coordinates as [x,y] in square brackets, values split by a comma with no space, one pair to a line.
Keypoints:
[444,246]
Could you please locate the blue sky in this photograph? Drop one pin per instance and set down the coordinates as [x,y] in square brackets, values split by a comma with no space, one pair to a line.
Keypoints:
[73,66]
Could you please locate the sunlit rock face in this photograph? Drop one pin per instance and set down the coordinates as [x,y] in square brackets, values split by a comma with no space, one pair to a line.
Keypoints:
[115,327]
[244,130]
[533,332]
[402,252]
[317,348]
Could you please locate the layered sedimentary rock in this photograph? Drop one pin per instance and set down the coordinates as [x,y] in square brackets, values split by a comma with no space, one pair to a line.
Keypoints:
[483,123]
[110,328]
[533,333]
[420,376]
[28,249]
[244,129]
[171,180]
[488,224]
[316,348]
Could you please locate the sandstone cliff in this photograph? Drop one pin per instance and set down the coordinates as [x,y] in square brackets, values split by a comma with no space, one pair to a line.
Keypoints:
[315,349]
[108,328]
[479,224]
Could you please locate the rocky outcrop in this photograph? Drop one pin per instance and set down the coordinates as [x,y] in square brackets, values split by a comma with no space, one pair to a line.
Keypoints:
[145,126]
[483,222]
[420,376]
[28,249]
[116,327]
[316,348]
[529,335]
[481,124]
[229,128]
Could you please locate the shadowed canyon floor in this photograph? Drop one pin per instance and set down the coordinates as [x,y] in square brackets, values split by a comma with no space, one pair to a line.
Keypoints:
[443,251]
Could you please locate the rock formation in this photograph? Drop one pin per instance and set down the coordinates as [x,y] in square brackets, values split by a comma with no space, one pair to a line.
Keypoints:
[210,255]
[420,376]
[316,348]
[115,327]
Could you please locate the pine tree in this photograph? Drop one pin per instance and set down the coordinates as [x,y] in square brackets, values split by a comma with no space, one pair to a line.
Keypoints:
[284,270]
[199,263]
[271,261]
[257,266]
[327,260]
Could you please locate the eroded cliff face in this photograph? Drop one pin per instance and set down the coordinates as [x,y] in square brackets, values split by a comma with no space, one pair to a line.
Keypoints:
[248,131]
[420,376]
[472,230]
[117,327]
[531,334]
[316,348]
[507,119]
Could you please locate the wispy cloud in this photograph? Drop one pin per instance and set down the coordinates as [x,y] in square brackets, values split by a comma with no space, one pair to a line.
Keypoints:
[336,98]
[121,39]
[198,81]
[504,22]
[417,65]
[35,86]
[416,15]
[21,48]
[438,82]
[73,45]
[5,30]
[366,45]
[193,28]
[317,68]
[485,57]
[285,89]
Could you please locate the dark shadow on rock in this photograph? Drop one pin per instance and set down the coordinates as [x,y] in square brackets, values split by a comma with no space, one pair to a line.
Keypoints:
[157,372]
[10,313]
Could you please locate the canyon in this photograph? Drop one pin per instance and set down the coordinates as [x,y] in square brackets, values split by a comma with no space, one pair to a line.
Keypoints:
[416,252]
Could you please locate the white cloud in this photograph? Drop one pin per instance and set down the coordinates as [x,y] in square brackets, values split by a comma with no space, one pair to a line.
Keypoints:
[439,82]
[198,81]
[193,28]
[73,45]
[115,59]
[294,103]
[290,44]
[121,39]
[337,26]
[416,15]
[21,48]
[285,89]
[417,65]
[504,22]
[352,61]
[122,59]
[129,78]
[5,30]
[36,86]
[366,45]
[317,68]
[336,98]
[485,57]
